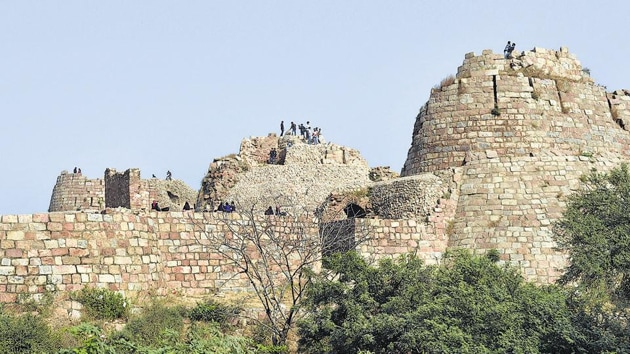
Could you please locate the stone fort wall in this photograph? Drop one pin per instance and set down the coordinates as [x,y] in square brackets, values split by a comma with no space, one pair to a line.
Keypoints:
[159,252]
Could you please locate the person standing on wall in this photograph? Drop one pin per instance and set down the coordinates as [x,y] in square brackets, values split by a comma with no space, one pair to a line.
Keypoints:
[281,128]
[511,50]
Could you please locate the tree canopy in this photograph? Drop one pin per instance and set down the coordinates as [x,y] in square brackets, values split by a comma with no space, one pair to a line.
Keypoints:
[466,305]
[595,231]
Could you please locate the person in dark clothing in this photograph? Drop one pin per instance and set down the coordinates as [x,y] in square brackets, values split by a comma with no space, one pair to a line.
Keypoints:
[269,211]
[511,50]
[293,128]
[281,128]
[155,206]
[186,206]
[75,170]
[302,129]
[169,175]
[506,50]
[232,207]
[227,208]
[273,156]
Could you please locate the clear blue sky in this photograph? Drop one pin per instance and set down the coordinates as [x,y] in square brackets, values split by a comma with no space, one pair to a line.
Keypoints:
[161,85]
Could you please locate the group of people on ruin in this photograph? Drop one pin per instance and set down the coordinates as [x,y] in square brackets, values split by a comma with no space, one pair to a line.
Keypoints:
[227,207]
[312,136]
[509,48]
[277,211]
[155,206]
[169,175]
[77,170]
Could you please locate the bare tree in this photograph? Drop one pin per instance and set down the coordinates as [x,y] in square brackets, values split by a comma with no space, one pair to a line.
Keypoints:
[276,254]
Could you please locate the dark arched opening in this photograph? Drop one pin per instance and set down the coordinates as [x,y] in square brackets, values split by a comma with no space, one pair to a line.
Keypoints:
[354,211]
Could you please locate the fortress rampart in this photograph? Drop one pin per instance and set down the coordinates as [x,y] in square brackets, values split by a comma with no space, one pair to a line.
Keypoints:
[156,252]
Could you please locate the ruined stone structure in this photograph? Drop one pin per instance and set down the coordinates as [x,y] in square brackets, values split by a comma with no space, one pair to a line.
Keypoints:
[517,134]
[494,153]
[302,178]
[73,191]
[127,190]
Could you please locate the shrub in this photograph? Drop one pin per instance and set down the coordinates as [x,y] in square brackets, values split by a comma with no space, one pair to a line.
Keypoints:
[102,303]
[211,311]
[90,340]
[450,228]
[271,349]
[153,323]
[447,81]
[493,255]
[39,303]
[25,334]
[535,95]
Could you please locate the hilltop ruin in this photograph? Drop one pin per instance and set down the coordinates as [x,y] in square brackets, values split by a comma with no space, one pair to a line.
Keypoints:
[494,153]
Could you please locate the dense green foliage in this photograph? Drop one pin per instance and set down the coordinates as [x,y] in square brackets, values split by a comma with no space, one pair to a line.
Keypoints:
[595,230]
[149,328]
[101,303]
[25,334]
[467,305]
[212,311]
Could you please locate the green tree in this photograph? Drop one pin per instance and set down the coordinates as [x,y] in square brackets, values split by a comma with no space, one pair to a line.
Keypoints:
[595,232]
[466,305]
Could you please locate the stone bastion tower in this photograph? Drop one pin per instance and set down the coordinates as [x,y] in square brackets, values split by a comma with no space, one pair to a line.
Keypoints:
[515,135]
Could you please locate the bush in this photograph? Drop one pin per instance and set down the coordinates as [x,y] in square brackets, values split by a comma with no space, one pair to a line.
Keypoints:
[102,303]
[152,325]
[493,255]
[447,81]
[211,311]
[25,334]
